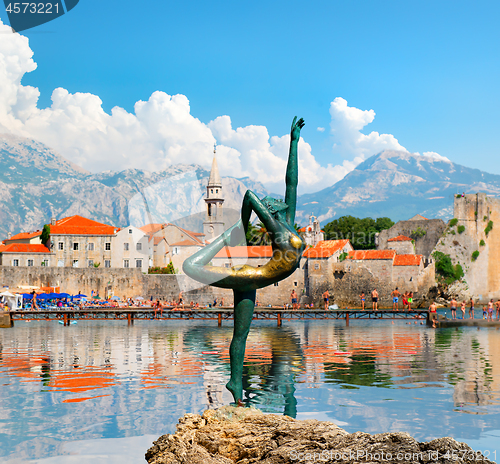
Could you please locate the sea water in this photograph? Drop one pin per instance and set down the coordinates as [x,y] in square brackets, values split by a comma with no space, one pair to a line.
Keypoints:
[102,391]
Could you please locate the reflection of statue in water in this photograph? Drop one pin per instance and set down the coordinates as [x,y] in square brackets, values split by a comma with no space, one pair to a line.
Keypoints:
[278,218]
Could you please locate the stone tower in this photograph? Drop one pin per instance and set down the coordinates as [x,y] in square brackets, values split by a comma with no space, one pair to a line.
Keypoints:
[214,222]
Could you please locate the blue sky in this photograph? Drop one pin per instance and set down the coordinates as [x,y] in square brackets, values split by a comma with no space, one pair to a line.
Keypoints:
[429,70]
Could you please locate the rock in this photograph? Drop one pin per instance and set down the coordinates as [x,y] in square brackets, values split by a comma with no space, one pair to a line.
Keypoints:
[245,435]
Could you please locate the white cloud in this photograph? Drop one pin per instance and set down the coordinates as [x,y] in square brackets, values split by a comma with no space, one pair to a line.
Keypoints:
[432,155]
[346,126]
[162,131]
[320,129]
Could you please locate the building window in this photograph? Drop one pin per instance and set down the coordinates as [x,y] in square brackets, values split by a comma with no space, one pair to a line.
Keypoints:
[75,246]
[216,190]
[175,250]
[30,262]
[125,246]
[227,265]
[75,263]
[107,246]
[316,266]
[276,284]
[295,284]
[15,262]
[126,263]
[130,231]
[138,246]
[60,263]
[91,263]
[107,263]
[212,191]
[60,246]
[91,247]
[138,263]
[45,262]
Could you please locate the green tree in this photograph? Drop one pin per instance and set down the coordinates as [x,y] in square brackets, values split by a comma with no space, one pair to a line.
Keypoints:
[361,232]
[45,237]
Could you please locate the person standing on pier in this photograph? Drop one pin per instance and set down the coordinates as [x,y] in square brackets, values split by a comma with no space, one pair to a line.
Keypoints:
[497,304]
[294,299]
[362,296]
[374,299]
[410,300]
[462,307]
[471,309]
[395,299]
[326,297]
[433,314]
[490,310]
[453,307]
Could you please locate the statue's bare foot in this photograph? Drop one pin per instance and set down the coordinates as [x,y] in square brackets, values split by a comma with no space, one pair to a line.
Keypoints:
[236,391]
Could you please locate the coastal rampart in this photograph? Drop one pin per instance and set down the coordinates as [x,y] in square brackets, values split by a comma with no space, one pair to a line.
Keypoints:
[473,241]
[425,233]
[132,282]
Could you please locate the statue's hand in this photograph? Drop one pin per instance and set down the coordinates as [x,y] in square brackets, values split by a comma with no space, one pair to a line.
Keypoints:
[296,126]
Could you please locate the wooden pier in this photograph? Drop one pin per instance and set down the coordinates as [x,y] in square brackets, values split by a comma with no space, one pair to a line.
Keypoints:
[220,314]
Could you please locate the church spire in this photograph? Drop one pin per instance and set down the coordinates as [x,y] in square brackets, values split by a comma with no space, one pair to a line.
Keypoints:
[214,222]
[214,179]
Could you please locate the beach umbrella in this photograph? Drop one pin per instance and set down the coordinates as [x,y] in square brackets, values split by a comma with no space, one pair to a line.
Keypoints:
[63,295]
[27,296]
[117,298]
[80,295]
[42,296]
[139,298]
[97,297]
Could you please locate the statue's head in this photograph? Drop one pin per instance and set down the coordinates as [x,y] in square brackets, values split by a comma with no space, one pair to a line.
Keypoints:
[275,207]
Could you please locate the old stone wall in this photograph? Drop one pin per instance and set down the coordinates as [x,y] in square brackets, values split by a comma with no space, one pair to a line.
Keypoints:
[424,244]
[405,247]
[132,282]
[473,213]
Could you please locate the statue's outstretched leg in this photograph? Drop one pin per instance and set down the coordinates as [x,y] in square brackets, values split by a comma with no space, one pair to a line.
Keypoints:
[244,304]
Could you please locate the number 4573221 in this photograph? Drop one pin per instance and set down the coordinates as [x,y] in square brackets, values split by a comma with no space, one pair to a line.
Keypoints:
[32,8]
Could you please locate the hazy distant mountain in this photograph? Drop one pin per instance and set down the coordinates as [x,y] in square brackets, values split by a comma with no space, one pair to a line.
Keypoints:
[36,184]
[397,185]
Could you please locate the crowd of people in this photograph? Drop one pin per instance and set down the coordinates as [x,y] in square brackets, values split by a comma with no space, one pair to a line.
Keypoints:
[491,310]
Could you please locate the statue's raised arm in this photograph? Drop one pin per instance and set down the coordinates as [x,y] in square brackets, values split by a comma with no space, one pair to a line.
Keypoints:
[292,171]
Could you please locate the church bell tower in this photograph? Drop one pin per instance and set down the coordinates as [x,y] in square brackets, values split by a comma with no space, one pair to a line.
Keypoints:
[214,222]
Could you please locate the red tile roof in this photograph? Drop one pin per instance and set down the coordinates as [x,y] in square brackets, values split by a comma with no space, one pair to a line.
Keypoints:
[151,228]
[372,254]
[24,236]
[407,260]
[245,252]
[24,248]
[325,248]
[400,238]
[78,225]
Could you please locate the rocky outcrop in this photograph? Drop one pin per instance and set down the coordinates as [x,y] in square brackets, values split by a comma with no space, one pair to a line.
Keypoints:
[243,435]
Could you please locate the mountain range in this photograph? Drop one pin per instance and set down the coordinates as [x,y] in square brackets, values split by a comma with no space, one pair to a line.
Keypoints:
[398,185]
[36,183]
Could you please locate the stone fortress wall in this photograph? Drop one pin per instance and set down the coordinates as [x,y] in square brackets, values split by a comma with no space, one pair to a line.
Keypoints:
[473,213]
[424,243]
[132,282]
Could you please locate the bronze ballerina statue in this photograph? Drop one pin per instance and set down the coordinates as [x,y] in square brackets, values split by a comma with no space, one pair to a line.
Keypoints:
[278,218]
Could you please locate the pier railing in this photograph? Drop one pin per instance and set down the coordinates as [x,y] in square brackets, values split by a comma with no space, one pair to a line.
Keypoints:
[66,316]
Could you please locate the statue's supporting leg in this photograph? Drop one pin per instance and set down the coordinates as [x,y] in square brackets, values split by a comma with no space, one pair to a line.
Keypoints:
[244,304]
